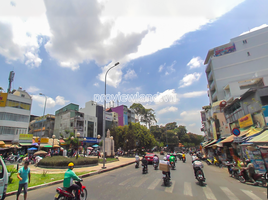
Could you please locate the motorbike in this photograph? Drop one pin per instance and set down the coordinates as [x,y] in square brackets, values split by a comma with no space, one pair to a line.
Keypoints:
[144,169]
[155,165]
[232,169]
[184,159]
[176,159]
[137,163]
[165,178]
[259,178]
[217,162]
[200,177]
[65,194]
[172,165]
[209,161]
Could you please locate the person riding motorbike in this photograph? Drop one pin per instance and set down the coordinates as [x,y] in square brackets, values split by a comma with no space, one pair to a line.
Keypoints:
[156,159]
[183,156]
[69,176]
[251,171]
[168,163]
[144,162]
[194,157]
[172,159]
[197,165]
[168,155]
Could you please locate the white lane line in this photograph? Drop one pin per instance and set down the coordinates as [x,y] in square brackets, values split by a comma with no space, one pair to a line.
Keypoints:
[126,181]
[251,194]
[187,189]
[229,193]
[171,188]
[209,194]
[140,182]
[154,184]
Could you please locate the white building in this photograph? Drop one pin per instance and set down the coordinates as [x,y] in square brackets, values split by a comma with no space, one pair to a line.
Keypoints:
[15,111]
[235,67]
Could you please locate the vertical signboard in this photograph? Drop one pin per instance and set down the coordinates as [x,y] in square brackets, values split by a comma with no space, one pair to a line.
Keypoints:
[265,113]
[245,121]
[3,99]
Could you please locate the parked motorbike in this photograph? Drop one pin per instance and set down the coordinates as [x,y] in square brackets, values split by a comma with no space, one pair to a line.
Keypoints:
[209,161]
[144,169]
[165,178]
[259,178]
[200,177]
[137,163]
[217,162]
[232,169]
[65,194]
[155,165]
[172,165]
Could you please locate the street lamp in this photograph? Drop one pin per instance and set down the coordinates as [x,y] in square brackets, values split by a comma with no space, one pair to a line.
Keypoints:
[53,136]
[104,117]
[85,139]
[41,94]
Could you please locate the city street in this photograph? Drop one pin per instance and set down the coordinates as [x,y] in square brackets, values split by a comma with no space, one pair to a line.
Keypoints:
[130,183]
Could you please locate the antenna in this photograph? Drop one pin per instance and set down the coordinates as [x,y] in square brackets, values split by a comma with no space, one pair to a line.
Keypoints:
[10,80]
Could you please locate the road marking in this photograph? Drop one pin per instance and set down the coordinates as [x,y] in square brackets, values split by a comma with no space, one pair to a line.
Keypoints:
[251,195]
[140,182]
[228,193]
[154,184]
[209,194]
[171,188]
[126,181]
[187,189]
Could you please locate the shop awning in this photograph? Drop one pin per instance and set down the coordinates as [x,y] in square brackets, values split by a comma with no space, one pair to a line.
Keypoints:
[254,131]
[210,143]
[8,145]
[56,146]
[205,143]
[260,138]
[26,144]
[2,143]
[61,141]
[231,138]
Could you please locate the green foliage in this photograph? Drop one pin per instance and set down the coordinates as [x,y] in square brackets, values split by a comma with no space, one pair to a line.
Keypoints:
[63,161]
[12,171]
[44,174]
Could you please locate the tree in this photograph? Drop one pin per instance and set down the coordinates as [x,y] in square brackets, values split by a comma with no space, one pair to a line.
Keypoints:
[149,117]
[181,131]
[1,89]
[171,126]
[138,109]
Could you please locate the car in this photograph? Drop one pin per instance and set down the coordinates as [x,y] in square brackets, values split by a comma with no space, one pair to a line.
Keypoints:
[162,153]
[149,157]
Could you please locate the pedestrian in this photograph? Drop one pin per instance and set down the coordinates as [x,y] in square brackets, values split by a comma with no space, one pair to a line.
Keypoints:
[24,176]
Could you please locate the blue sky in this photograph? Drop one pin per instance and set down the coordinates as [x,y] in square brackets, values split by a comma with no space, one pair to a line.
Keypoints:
[63,49]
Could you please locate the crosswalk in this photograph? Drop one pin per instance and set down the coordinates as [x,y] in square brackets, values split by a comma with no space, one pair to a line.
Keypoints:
[188,188]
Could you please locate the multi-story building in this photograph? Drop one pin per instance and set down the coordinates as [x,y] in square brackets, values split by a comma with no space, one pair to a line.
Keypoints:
[69,119]
[47,122]
[122,112]
[131,116]
[15,110]
[115,118]
[235,67]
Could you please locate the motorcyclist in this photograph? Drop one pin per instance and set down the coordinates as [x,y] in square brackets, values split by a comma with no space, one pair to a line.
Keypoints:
[183,156]
[168,155]
[144,162]
[172,159]
[156,158]
[168,163]
[197,165]
[137,158]
[194,157]
[69,176]
[251,171]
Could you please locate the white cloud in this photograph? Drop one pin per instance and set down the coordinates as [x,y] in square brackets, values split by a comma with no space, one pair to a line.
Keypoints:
[50,101]
[131,74]
[32,60]
[114,76]
[195,62]
[167,109]
[170,68]
[189,79]
[255,29]
[191,115]
[32,89]
[134,89]
[167,97]
[161,67]
[192,124]
[96,84]
[194,94]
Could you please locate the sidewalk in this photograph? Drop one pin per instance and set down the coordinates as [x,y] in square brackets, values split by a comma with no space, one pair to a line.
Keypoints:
[110,165]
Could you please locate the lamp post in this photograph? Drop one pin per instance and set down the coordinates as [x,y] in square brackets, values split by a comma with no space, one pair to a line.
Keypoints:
[43,112]
[104,117]
[53,136]
[84,143]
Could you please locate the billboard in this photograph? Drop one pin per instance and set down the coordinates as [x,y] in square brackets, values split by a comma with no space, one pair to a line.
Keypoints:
[224,49]
[265,113]
[224,126]
[245,121]
[108,116]
[3,99]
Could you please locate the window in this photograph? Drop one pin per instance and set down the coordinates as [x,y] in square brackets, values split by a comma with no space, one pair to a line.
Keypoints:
[22,95]
[5,130]
[245,41]
[16,104]
[14,117]
[264,100]
[72,124]
[248,53]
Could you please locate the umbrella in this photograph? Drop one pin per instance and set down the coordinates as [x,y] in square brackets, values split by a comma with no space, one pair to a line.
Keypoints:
[40,153]
[35,144]
[48,146]
[90,148]
[95,145]
[32,149]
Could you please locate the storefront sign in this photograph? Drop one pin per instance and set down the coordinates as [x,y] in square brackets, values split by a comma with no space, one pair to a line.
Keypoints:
[214,131]
[265,113]
[228,48]
[92,140]
[245,121]
[257,161]
[238,140]
[42,140]
[3,99]
[25,136]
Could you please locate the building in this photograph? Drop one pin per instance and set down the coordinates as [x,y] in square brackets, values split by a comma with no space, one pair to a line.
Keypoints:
[131,116]
[15,111]
[122,112]
[48,122]
[235,67]
[69,119]
[115,119]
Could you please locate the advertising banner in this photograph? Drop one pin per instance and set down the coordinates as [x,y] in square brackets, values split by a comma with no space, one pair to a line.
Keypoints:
[3,99]
[245,121]
[25,136]
[264,153]
[259,120]
[224,49]
[224,126]
[265,113]
[256,159]
[214,130]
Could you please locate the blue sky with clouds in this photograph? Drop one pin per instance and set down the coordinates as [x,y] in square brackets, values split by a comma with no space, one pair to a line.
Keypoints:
[63,49]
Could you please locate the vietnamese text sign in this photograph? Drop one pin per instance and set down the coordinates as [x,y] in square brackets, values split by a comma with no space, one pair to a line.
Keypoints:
[238,140]
[25,136]
[245,121]
[3,99]
[228,48]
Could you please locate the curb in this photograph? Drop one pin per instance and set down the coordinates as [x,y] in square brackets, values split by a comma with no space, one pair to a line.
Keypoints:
[83,176]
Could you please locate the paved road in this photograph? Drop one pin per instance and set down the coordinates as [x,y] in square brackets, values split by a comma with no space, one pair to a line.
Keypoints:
[129,183]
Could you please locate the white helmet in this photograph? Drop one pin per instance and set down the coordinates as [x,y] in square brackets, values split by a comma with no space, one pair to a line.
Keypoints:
[165,158]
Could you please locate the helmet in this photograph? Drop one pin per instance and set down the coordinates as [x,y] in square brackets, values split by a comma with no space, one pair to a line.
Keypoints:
[155,155]
[70,164]
[165,158]
[168,154]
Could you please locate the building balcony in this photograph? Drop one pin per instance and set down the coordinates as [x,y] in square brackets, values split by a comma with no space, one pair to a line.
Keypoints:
[210,77]
[79,128]
[212,85]
[214,96]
